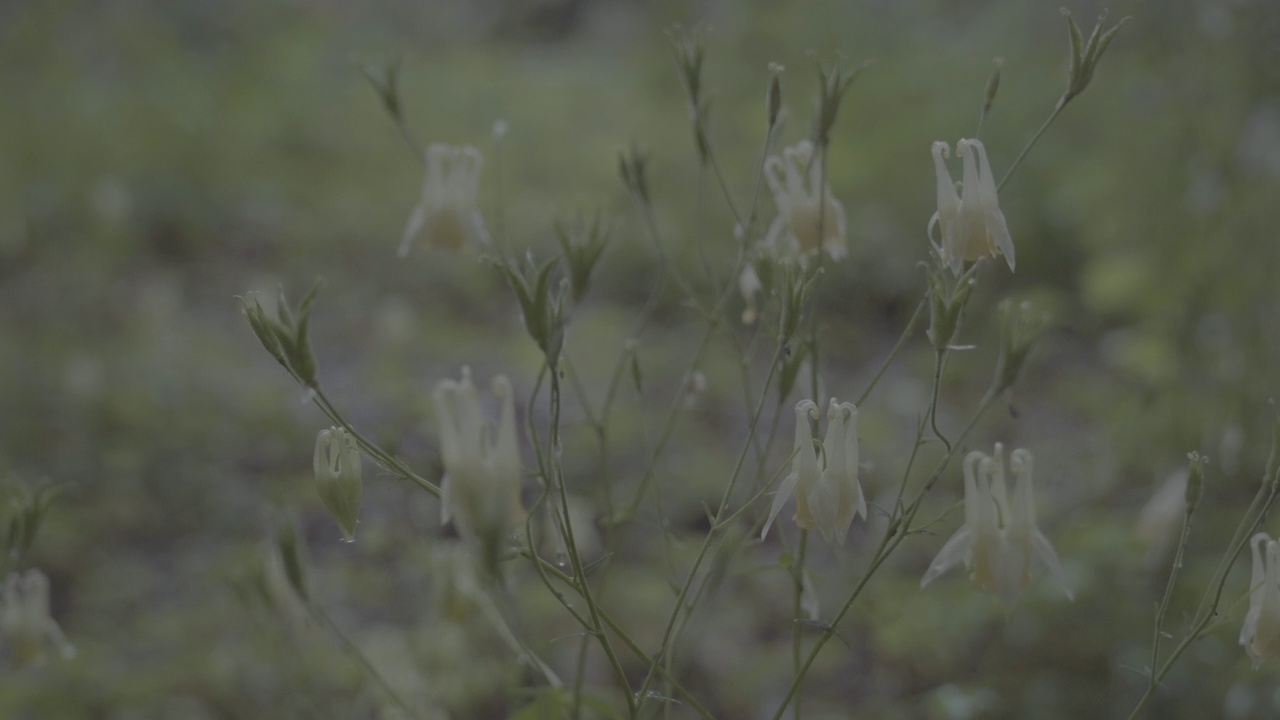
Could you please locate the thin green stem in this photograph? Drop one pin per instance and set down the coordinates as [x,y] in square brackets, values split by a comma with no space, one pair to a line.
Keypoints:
[902,340]
[1158,631]
[556,480]
[683,595]
[547,571]
[939,363]
[356,654]
[797,578]
[380,456]
[1062,102]
[1206,614]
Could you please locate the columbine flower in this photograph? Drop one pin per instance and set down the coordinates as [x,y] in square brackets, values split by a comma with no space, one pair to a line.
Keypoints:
[806,223]
[481,485]
[827,497]
[25,622]
[447,210]
[337,468]
[998,538]
[1260,635]
[973,226]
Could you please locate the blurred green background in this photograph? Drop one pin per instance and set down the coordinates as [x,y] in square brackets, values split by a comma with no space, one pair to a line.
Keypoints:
[158,159]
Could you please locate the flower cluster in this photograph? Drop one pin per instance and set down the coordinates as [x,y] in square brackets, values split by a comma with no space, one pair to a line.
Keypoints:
[999,537]
[827,495]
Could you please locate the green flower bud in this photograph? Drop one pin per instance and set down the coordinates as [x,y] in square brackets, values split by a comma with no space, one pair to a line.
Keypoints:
[832,85]
[773,96]
[632,166]
[1195,480]
[945,306]
[582,245]
[1085,54]
[337,467]
[284,336]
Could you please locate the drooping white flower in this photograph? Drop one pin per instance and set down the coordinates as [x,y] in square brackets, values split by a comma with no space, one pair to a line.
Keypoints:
[448,212]
[806,223]
[26,625]
[998,538]
[337,470]
[827,495]
[973,226]
[482,471]
[1260,635]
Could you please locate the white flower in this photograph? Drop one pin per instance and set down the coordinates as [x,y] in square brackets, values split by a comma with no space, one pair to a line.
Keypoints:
[337,470]
[1260,635]
[806,223]
[481,485]
[998,538]
[25,623]
[447,210]
[973,226]
[827,497]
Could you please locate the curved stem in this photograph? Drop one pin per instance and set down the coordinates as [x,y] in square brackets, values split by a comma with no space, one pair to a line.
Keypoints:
[1062,102]
[355,653]
[888,360]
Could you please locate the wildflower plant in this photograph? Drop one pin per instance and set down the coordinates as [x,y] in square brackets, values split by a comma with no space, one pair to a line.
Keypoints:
[543,513]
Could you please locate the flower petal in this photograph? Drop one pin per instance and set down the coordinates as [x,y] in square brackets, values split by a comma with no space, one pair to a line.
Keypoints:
[954,552]
[1044,550]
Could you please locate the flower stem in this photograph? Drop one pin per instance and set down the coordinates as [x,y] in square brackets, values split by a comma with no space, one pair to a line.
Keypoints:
[1062,102]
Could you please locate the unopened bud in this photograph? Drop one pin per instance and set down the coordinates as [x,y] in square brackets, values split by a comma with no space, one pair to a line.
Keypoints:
[773,96]
[632,168]
[1195,480]
[1085,54]
[946,306]
[337,468]
[993,86]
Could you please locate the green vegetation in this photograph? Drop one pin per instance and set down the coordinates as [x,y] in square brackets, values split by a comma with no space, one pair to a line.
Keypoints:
[159,160]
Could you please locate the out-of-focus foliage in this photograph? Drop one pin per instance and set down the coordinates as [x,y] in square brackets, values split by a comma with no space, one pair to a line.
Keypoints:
[157,159]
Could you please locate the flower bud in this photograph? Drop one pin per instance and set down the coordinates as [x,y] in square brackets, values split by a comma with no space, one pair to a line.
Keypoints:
[337,467]
[945,307]
[632,166]
[1085,55]
[284,336]
[773,96]
[1195,480]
